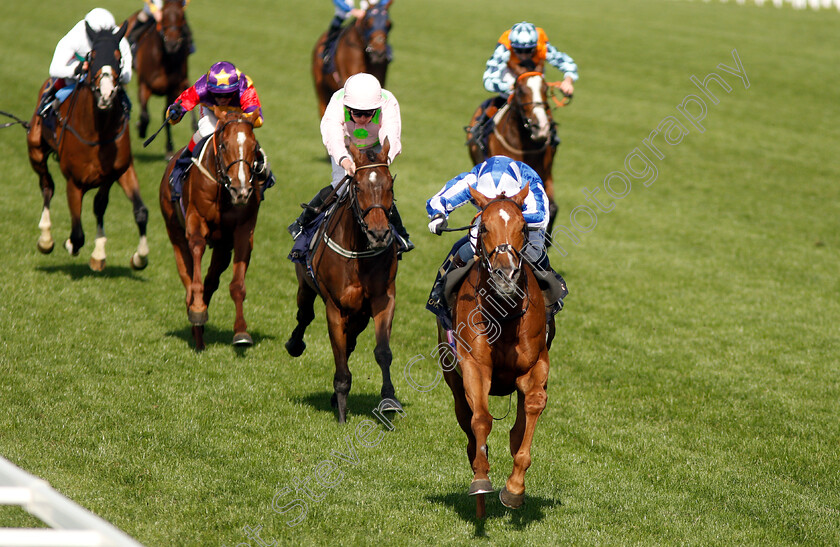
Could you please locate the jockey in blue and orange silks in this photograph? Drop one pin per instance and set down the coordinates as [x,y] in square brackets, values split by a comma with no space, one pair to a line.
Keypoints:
[225,86]
[152,14]
[493,177]
[522,48]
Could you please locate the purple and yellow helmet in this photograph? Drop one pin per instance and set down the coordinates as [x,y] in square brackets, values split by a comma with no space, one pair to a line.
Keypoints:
[222,78]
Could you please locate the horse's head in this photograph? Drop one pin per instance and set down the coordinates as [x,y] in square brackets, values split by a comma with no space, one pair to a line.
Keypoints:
[530,99]
[375,26]
[104,65]
[372,194]
[502,234]
[172,26]
[236,151]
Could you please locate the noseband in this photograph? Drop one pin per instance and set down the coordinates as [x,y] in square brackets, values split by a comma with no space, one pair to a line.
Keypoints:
[504,248]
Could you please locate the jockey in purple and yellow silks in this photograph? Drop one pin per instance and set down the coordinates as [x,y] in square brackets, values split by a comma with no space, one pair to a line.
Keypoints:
[225,86]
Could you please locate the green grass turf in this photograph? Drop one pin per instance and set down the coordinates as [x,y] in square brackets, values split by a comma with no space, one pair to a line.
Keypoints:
[693,395]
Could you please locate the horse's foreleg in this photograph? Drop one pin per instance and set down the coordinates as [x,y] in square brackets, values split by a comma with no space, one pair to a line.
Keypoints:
[477,391]
[197,239]
[305,314]
[100,203]
[243,244]
[143,94]
[38,154]
[337,324]
[131,187]
[383,316]
[77,235]
[532,399]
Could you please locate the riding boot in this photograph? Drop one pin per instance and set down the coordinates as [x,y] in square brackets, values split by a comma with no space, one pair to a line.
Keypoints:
[310,211]
[396,220]
[332,34]
[177,175]
[139,28]
[548,280]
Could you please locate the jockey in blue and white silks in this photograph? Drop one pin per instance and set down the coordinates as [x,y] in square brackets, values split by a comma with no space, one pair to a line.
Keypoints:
[492,177]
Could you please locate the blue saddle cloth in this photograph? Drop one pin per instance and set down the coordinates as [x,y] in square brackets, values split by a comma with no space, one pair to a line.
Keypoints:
[300,249]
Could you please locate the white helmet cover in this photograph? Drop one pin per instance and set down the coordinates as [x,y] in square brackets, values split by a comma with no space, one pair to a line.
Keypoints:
[363,92]
[100,19]
[523,35]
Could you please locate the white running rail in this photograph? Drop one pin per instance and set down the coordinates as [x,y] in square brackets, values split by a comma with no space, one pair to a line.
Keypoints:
[71,524]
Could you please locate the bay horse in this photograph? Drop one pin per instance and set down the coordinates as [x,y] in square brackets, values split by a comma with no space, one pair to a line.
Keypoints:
[160,63]
[219,208]
[361,47]
[524,131]
[92,144]
[354,268]
[504,347]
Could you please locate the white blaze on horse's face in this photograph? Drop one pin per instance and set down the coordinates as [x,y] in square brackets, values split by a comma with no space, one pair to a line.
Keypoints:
[241,139]
[535,84]
[107,88]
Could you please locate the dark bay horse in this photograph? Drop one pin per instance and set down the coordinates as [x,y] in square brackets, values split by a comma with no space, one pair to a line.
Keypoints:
[503,347]
[219,207]
[91,141]
[361,47]
[160,63]
[355,268]
[524,131]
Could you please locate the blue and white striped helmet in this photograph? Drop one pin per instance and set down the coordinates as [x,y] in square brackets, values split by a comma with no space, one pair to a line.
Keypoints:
[499,174]
[523,36]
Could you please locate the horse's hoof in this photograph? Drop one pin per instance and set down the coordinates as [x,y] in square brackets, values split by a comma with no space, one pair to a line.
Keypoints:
[513,501]
[481,486]
[295,347]
[197,318]
[389,404]
[97,264]
[46,246]
[70,249]
[242,339]
[139,262]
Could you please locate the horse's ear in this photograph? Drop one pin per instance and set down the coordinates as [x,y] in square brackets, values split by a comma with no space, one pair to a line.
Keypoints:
[480,199]
[121,32]
[519,198]
[383,155]
[355,154]
[90,34]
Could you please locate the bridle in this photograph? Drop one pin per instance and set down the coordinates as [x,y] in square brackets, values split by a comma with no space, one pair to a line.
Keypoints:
[358,213]
[503,248]
[520,106]
[379,22]
[163,28]
[222,170]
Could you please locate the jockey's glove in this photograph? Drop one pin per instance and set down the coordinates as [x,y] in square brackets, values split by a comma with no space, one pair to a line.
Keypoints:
[437,224]
[175,112]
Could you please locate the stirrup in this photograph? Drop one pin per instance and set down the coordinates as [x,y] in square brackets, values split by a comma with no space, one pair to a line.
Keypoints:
[295,229]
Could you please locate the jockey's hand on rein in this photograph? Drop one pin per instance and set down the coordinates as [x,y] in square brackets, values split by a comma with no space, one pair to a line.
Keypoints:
[437,224]
[174,113]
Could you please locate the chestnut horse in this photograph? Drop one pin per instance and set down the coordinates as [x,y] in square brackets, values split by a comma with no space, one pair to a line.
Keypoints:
[91,141]
[160,63]
[361,47]
[219,208]
[504,347]
[524,131]
[354,267]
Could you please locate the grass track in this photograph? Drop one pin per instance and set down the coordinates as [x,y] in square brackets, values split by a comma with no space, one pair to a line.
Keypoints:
[693,395]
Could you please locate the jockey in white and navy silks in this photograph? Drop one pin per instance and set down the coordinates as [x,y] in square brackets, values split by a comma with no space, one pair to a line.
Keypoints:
[71,50]
[491,177]
[525,48]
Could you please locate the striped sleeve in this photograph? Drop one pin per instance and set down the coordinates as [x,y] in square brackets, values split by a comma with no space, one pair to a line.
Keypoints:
[536,204]
[455,193]
[496,64]
[561,62]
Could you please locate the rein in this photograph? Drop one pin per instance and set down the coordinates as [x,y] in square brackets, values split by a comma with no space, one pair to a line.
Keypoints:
[17,121]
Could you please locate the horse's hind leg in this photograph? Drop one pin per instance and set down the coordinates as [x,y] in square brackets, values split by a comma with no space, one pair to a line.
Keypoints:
[38,154]
[74,202]
[130,185]
[305,314]
[531,401]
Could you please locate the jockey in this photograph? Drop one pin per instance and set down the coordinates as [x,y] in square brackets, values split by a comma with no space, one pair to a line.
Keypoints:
[68,63]
[344,10]
[522,48]
[364,114]
[152,12]
[225,86]
[492,177]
